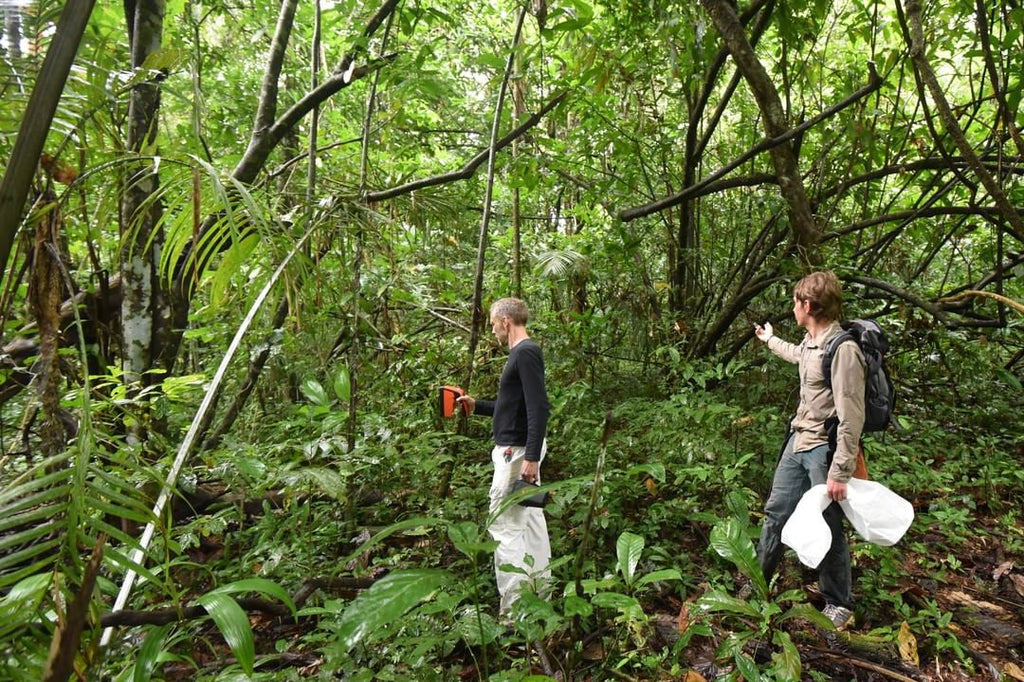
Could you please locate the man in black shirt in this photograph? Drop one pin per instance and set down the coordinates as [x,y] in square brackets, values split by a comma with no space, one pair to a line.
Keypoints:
[520,419]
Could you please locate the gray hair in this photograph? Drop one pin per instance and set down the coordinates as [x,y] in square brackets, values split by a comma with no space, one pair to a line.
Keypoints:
[512,308]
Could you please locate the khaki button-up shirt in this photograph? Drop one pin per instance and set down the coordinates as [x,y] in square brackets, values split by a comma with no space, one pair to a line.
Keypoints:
[818,404]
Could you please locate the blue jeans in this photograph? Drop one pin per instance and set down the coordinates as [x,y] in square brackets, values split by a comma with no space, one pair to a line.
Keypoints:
[795,474]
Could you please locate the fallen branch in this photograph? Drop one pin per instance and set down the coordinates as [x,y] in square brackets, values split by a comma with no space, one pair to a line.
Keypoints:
[866,665]
[127,618]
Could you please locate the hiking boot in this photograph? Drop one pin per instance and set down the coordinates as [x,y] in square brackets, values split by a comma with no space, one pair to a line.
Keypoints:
[840,616]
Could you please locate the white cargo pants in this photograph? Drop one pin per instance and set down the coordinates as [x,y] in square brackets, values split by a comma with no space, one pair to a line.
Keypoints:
[520,531]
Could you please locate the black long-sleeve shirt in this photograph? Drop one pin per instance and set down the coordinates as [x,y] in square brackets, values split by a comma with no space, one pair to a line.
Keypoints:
[521,410]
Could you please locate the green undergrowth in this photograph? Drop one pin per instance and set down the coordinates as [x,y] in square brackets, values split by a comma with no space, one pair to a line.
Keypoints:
[674,468]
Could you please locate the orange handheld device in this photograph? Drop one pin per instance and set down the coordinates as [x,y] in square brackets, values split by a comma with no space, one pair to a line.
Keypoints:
[448,404]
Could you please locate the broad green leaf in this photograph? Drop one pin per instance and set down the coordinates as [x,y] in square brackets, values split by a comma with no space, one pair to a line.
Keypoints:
[1008,378]
[20,604]
[267,588]
[628,549]
[655,470]
[315,393]
[730,541]
[342,384]
[746,665]
[787,659]
[387,601]
[577,606]
[613,600]
[477,627]
[149,653]
[809,613]
[233,624]
[655,576]
[717,601]
[327,480]
[466,538]
[166,58]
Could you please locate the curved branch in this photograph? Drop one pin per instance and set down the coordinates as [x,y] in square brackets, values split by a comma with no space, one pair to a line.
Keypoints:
[927,212]
[264,141]
[903,294]
[805,231]
[1015,224]
[930,163]
[470,166]
[267,106]
[1019,307]
[874,83]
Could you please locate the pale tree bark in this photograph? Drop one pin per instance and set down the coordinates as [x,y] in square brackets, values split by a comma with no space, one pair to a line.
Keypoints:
[142,306]
[806,233]
[1014,223]
[35,124]
[12,31]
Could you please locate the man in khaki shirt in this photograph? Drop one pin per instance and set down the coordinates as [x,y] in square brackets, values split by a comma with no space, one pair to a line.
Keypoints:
[805,461]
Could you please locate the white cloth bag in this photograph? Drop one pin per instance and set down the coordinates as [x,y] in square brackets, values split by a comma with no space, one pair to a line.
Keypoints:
[806,531]
[879,515]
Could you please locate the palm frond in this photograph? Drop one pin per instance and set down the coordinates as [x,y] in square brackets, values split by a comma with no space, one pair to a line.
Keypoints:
[560,263]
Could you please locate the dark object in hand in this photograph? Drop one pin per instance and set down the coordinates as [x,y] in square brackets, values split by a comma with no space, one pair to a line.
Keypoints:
[538,499]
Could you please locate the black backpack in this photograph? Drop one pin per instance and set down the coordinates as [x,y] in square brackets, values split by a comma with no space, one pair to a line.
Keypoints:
[879,393]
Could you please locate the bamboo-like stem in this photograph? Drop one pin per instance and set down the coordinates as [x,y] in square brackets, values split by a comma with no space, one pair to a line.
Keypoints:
[138,556]
[478,280]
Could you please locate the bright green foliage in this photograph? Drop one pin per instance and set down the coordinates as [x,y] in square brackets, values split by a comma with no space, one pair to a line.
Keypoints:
[648,320]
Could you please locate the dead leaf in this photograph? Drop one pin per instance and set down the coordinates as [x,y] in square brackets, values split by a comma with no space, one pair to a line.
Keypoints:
[908,645]
[1002,570]
[1014,671]
[1018,583]
[683,621]
[593,652]
[694,676]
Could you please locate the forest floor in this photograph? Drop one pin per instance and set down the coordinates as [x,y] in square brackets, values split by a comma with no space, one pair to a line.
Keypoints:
[976,593]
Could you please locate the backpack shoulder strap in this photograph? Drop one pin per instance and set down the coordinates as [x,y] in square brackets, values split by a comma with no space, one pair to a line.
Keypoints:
[830,352]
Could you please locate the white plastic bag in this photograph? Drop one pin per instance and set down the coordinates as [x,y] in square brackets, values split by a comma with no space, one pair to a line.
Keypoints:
[878,514]
[806,531]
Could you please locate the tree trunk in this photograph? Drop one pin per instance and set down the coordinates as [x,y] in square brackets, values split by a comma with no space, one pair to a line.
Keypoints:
[804,229]
[140,214]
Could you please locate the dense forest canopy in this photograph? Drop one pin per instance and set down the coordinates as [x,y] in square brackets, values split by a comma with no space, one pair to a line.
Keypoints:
[244,243]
